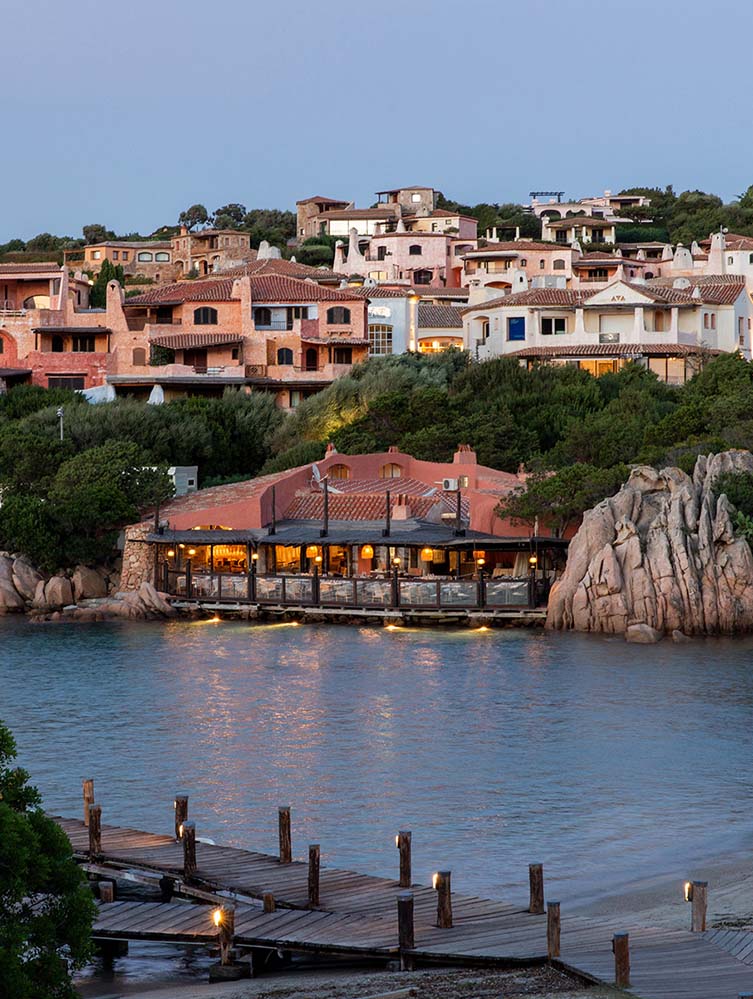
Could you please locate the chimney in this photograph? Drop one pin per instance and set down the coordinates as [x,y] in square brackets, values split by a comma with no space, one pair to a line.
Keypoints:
[401,510]
[183,231]
[465,455]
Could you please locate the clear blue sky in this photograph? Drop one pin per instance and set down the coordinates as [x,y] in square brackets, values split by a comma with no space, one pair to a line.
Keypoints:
[126,112]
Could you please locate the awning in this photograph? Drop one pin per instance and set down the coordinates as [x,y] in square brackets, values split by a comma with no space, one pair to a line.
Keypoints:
[186,341]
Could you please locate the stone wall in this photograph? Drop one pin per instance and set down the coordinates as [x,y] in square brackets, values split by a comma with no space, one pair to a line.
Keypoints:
[662,553]
[138,557]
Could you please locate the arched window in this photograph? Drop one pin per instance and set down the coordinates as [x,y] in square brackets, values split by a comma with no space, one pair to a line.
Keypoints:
[558,265]
[542,264]
[139,357]
[205,316]
[422,277]
[162,256]
[338,472]
[523,262]
[263,317]
[144,257]
[338,316]
[390,471]
[2,345]
[415,250]
[284,355]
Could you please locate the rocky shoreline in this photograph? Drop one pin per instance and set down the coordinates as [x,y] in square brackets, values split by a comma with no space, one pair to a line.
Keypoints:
[85,594]
[660,558]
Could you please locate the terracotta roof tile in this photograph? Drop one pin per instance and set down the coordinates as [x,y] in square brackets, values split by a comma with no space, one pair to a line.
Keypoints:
[264,288]
[42,267]
[439,317]
[535,296]
[214,290]
[285,268]
[609,350]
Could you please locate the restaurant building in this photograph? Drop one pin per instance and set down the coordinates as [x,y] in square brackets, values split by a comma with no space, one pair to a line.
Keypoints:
[360,531]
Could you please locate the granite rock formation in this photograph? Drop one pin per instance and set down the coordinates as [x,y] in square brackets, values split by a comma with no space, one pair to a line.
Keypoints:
[661,553]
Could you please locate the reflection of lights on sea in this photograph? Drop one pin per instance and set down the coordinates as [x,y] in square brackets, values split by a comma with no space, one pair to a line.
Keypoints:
[210,620]
[391,627]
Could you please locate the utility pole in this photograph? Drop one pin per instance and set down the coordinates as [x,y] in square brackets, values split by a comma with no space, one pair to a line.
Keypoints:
[60,418]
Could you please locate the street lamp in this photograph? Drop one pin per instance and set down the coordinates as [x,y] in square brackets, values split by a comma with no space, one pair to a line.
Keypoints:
[60,415]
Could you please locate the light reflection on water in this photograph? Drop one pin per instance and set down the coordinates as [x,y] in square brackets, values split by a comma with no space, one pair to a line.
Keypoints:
[603,760]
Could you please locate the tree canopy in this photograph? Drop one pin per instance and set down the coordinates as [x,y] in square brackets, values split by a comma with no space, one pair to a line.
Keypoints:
[46,909]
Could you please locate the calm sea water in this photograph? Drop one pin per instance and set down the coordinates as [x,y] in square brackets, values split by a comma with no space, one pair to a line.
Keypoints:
[601,759]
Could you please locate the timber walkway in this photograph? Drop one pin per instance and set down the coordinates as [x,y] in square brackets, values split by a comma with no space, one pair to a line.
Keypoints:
[356,916]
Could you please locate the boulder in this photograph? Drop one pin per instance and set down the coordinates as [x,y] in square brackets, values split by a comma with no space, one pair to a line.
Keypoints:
[88,584]
[25,578]
[6,569]
[661,553]
[10,599]
[58,592]
[154,601]
[643,634]
[680,637]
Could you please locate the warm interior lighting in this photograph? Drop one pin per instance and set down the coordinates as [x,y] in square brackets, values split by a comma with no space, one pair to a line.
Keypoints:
[191,551]
[170,553]
[217,916]
[180,830]
[533,560]
[434,881]
[480,562]
[312,551]
[427,555]
[318,559]
[367,552]
[181,546]
[688,889]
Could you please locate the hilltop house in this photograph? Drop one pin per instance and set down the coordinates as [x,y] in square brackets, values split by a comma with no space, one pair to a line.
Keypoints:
[668,325]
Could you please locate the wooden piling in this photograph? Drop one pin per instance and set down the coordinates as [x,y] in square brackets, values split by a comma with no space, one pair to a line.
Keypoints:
[95,831]
[403,845]
[269,901]
[442,886]
[181,812]
[553,929]
[226,933]
[286,848]
[88,791]
[107,891]
[621,951]
[699,906]
[405,929]
[314,857]
[536,884]
[189,849]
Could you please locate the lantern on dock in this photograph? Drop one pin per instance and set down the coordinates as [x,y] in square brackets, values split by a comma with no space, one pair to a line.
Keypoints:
[217,917]
[688,891]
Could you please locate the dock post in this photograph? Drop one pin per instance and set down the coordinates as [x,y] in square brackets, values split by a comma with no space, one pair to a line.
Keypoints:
[699,905]
[88,791]
[621,950]
[189,849]
[314,856]
[405,931]
[181,813]
[189,580]
[536,884]
[224,918]
[95,831]
[107,891]
[442,886]
[269,901]
[286,849]
[553,929]
[402,842]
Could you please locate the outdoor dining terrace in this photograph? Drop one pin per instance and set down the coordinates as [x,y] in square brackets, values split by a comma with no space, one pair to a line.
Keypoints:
[454,573]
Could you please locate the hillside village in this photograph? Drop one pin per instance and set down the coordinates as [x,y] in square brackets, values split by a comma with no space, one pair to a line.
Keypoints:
[203,310]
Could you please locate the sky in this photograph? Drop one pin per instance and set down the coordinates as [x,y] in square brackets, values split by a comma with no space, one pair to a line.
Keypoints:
[126,113]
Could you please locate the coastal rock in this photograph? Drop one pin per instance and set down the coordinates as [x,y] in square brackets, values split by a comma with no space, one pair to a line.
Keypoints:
[25,578]
[88,584]
[154,601]
[642,634]
[58,592]
[10,598]
[661,554]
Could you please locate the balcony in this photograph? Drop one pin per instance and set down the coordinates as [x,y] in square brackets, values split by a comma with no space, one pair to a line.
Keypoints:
[280,325]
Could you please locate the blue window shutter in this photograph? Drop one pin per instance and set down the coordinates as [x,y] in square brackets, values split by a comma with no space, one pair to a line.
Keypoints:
[516,328]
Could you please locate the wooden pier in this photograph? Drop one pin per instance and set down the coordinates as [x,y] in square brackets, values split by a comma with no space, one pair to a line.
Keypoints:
[356,915]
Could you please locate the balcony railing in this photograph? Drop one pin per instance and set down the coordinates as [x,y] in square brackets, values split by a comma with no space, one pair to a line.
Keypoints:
[275,324]
[360,592]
